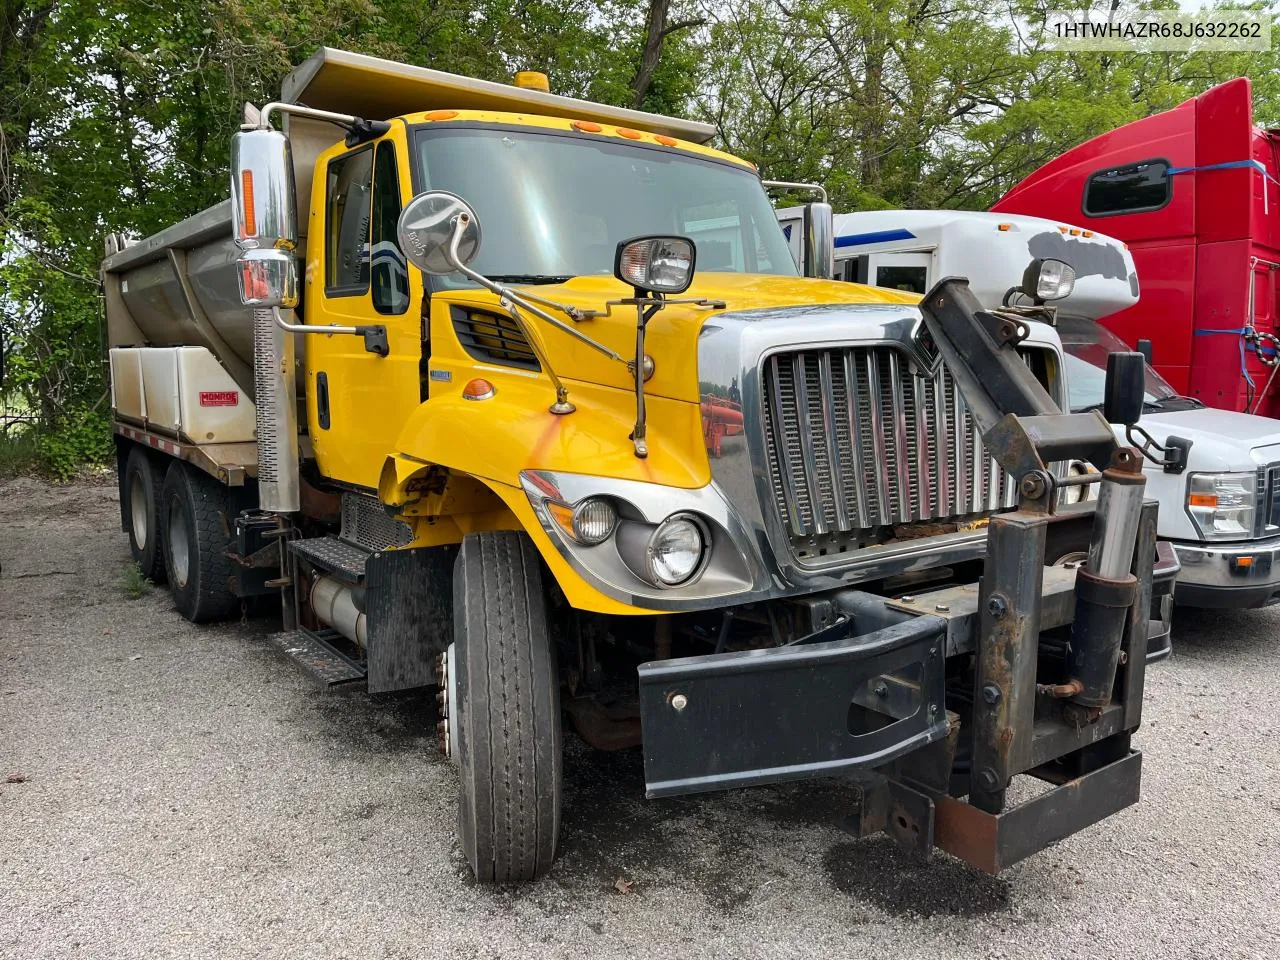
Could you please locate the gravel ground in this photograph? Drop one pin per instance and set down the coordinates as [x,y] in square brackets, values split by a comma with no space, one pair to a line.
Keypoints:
[183,792]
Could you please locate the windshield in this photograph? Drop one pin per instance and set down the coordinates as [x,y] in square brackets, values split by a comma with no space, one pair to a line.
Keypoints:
[553,205]
[1088,344]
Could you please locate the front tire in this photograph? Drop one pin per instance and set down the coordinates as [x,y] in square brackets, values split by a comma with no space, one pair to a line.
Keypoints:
[143,479]
[193,518]
[507,710]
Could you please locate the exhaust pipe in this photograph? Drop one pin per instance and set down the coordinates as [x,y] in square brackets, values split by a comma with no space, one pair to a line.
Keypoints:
[277,415]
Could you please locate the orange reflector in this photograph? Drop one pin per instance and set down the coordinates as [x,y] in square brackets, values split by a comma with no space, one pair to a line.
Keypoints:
[1244,561]
[562,515]
[1075,232]
[629,133]
[1005,227]
[1088,233]
[1203,500]
[442,114]
[478,389]
[586,126]
[250,218]
[665,141]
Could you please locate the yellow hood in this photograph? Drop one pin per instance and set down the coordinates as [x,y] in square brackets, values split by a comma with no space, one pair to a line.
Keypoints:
[673,333]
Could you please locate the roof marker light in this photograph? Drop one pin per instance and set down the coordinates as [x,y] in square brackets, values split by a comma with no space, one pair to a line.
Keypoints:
[587,126]
[629,133]
[442,114]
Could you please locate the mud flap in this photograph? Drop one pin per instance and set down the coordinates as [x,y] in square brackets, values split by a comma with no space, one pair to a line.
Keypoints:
[829,704]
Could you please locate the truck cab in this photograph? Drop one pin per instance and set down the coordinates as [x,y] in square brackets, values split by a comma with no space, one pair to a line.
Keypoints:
[1192,193]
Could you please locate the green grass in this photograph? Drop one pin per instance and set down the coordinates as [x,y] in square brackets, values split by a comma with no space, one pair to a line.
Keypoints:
[19,454]
[133,583]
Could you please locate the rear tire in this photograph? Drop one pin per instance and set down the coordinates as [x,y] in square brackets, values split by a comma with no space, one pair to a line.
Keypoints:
[194,515]
[507,710]
[143,478]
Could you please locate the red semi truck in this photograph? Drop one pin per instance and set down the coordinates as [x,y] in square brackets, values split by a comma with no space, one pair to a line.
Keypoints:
[1195,193]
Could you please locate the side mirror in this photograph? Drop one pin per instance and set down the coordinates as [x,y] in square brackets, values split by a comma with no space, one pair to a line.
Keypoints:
[264,220]
[657,265]
[1125,388]
[426,231]
[1144,348]
[819,240]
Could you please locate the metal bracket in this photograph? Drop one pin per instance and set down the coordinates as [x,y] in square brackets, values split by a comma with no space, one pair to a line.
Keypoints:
[375,339]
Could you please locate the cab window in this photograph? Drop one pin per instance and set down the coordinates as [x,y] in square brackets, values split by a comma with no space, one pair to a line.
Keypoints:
[1133,189]
[909,279]
[347,211]
[388,266]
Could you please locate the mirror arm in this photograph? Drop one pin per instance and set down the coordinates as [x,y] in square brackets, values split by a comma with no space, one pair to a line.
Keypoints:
[511,295]
[512,304]
[817,188]
[1173,455]
[375,335]
[643,316]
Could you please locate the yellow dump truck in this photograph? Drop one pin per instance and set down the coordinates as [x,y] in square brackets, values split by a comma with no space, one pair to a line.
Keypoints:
[525,397]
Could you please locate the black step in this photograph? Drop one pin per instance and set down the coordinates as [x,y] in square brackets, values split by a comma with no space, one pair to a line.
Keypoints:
[318,658]
[333,555]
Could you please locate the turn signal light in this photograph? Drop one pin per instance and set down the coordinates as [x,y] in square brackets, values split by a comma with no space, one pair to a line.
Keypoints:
[246,197]
[1203,500]
[478,389]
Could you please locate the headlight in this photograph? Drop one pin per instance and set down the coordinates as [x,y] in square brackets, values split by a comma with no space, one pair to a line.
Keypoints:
[1223,505]
[1048,280]
[675,550]
[589,522]
[593,520]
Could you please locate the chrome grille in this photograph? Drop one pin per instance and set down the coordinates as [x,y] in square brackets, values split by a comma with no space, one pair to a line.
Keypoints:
[857,439]
[1271,515]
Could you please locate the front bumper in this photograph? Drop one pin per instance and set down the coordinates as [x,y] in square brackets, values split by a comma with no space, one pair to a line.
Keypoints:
[1229,575]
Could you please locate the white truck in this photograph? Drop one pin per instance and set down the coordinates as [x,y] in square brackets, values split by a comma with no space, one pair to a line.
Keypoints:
[1221,512]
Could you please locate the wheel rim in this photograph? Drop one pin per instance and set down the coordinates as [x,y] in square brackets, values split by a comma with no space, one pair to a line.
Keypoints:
[178,545]
[138,506]
[447,698]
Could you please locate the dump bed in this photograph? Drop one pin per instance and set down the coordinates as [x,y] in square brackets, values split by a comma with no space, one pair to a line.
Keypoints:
[178,287]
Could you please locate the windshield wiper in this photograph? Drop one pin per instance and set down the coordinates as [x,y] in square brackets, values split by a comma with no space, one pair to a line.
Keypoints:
[1177,402]
[528,278]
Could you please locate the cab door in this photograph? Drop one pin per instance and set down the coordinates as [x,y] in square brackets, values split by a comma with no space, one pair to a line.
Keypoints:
[357,401]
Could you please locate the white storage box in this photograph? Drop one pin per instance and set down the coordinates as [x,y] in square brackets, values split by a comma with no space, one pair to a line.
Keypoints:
[180,391]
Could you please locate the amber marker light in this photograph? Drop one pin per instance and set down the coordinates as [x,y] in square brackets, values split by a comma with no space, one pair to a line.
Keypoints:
[250,218]
[1203,500]
[442,114]
[586,126]
[629,133]
[1005,227]
[665,140]
[478,389]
